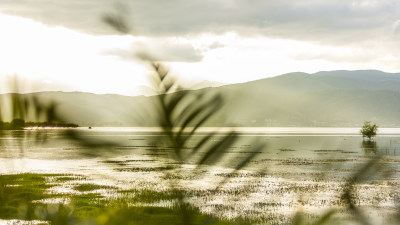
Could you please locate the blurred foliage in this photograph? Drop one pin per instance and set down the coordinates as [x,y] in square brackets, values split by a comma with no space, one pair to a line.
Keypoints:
[180,114]
[25,110]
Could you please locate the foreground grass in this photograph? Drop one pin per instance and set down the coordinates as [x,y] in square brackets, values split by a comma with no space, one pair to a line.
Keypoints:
[27,197]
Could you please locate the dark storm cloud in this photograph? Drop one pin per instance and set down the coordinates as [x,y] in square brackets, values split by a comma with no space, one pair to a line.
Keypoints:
[339,20]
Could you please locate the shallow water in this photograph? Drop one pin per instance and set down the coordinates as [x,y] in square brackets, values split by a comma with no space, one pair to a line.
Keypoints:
[297,167]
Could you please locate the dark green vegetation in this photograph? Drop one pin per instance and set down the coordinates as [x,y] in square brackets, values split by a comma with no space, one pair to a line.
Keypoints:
[369,130]
[30,197]
[18,191]
[336,98]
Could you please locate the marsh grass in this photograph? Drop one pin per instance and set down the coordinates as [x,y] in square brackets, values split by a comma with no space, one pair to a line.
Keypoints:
[149,196]
[146,169]
[68,178]
[20,196]
[91,187]
[17,192]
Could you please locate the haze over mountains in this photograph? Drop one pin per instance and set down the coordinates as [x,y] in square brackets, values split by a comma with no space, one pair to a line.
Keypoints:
[336,98]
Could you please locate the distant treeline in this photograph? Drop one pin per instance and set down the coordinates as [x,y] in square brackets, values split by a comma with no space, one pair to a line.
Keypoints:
[18,124]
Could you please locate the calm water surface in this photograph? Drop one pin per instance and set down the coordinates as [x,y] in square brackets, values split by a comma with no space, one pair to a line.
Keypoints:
[21,151]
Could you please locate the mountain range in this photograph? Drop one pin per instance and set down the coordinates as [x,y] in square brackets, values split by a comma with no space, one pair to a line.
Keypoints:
[331,98]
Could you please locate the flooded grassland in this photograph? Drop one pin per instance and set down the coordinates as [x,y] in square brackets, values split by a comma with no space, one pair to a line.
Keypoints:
[297,170]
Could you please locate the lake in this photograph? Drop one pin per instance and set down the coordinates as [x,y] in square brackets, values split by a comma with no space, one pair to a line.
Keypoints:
[297,168]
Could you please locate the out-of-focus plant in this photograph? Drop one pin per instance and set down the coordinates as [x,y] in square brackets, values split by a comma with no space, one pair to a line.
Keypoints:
[180,113]
[17,108]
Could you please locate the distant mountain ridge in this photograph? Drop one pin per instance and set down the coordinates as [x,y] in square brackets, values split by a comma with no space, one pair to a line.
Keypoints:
[329,98]
[332,98]
[341,79]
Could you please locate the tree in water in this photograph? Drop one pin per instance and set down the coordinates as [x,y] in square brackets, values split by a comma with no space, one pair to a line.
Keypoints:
[369,130]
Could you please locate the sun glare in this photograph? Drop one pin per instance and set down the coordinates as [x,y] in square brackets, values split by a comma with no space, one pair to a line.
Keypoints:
[35,51]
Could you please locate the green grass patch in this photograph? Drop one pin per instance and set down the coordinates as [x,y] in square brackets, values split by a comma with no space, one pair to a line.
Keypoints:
[17,192]
[91,187]
[160,215]
[68,178]
[150,196]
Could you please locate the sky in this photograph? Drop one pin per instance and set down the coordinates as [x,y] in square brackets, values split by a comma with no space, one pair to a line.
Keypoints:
[64,45]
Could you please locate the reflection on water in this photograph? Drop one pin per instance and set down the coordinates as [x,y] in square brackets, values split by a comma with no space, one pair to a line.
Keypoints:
[369,146]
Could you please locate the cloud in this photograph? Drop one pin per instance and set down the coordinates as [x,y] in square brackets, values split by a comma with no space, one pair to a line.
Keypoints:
[340,20]
[83,16]
[159,50]
[164,51]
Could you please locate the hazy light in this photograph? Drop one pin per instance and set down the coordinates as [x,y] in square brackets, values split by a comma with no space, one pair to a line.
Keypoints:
[59,55]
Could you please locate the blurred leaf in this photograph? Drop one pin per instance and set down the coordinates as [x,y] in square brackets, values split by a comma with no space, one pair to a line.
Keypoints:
[326,217]
[202,142]
[117,22]
[298,218]
[242,164]
[218,148]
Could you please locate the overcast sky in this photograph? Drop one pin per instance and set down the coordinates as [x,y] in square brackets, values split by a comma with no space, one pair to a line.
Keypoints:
[64,45]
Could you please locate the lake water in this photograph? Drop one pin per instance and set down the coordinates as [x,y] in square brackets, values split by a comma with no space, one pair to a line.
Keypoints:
[296,167]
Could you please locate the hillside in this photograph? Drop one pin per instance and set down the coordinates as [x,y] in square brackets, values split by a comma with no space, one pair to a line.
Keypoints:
[336,98]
